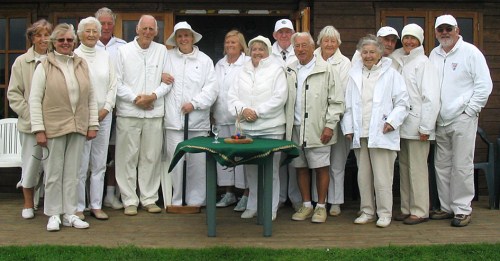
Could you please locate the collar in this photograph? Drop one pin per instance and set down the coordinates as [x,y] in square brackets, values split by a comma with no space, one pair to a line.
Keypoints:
[307,66]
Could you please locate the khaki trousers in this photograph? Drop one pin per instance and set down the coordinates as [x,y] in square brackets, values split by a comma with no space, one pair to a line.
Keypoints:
[137,159]
[375,176]
[414,177]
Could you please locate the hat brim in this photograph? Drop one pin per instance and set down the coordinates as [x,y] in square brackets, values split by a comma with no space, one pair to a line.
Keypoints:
[171,38]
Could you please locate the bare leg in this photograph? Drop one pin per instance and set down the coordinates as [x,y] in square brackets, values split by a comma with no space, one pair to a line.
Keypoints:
[28,194]
[322,183]
[304,182]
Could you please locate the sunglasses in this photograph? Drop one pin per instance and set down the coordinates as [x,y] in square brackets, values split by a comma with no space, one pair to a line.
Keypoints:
[62,40]
[442,29]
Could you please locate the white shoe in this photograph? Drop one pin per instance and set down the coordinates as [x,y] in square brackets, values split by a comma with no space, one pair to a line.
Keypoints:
[112,202]
[242,204]
[274,216]
[227,200]
[249,213]
[364,219]
[297,206]
[28,213]
[53,224]
[383,222]
[74,221]
[335,210]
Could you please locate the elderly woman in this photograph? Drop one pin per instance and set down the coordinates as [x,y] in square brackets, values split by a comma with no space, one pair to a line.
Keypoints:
[18,94]
[193,92]
[376,105]
[63,115]
[260,92]
[328,50]
[226,70]
[418,129]
[103,80]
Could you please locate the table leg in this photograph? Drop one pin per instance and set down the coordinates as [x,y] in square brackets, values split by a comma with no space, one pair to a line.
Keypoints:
[268,195]
[211,193]
[260,194]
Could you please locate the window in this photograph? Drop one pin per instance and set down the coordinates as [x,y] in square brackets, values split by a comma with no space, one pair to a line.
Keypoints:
[13,43]
[468,22]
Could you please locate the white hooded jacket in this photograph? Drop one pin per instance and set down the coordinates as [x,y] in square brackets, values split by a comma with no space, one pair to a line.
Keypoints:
[390,105]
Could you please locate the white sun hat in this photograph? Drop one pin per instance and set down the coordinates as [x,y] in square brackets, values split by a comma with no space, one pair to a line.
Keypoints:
[182,25]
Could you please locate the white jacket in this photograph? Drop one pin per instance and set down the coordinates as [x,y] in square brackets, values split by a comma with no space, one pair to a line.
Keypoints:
[195,82]
[276,54]
[264,90]
[340,63]
[422,84]
[390,104]
[112,47]
[226,73]
[465,81]
[139,72]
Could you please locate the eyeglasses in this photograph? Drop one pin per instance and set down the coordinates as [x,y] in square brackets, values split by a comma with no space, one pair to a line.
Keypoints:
[61,40]
[442,29]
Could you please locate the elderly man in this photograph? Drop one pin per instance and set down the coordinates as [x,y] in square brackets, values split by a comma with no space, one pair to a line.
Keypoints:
[283,52]
[465,86]
[315,104]
[139,110]
[110,44]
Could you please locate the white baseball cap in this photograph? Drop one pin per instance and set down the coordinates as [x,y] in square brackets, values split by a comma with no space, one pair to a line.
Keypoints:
[387,30]
[283,23]
[414,30]
[446,19]
[182,25]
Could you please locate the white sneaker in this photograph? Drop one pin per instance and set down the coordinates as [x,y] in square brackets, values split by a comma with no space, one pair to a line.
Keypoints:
[242,204]
[112,202]
[227,200]
[28,213]
[249,213]
[74,221]
[53,224]
[335,210]
[364,219]
[383,222]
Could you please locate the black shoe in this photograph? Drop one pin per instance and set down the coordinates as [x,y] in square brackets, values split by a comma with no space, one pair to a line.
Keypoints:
[461,220]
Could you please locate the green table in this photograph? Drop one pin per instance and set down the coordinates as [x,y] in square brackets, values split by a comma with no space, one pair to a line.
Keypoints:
[259,152]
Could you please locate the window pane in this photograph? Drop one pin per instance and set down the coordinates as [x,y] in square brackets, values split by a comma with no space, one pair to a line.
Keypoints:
[417,20]
[159,37]
[129,30]
[395,22]
[17,31]
[72,21]
[2,68]
[2,34]
[466,26]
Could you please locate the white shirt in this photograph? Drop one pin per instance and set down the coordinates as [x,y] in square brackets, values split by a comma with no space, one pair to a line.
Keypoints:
[303,72]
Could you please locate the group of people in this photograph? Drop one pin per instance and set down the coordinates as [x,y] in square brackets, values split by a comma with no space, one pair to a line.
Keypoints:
[383,102]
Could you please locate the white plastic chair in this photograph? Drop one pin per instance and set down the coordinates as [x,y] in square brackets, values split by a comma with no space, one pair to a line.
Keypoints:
[10,145]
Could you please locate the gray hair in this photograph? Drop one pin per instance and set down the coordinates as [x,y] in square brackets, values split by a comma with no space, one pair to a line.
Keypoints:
[105,11]
[146,15]
[329,32]
[61,29]
[301,34]
[266,48]
[370,39]
[87,21]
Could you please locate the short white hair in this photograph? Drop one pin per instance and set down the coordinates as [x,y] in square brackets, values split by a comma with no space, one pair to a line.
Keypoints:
[87,21]
[329,31]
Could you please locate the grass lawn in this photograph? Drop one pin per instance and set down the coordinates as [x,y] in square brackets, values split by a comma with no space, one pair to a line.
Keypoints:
[440,252]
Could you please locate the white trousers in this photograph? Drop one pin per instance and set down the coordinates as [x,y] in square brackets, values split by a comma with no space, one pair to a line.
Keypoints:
[31,166]
[338,158]
[196,185]
[137,159]
[252,174]
[61,173]
[230,176]
[288,184]
[414,177]
[375,177]
[454,161]
[95,153]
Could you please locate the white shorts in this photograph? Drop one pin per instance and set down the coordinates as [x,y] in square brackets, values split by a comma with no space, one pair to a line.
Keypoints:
[312,158]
